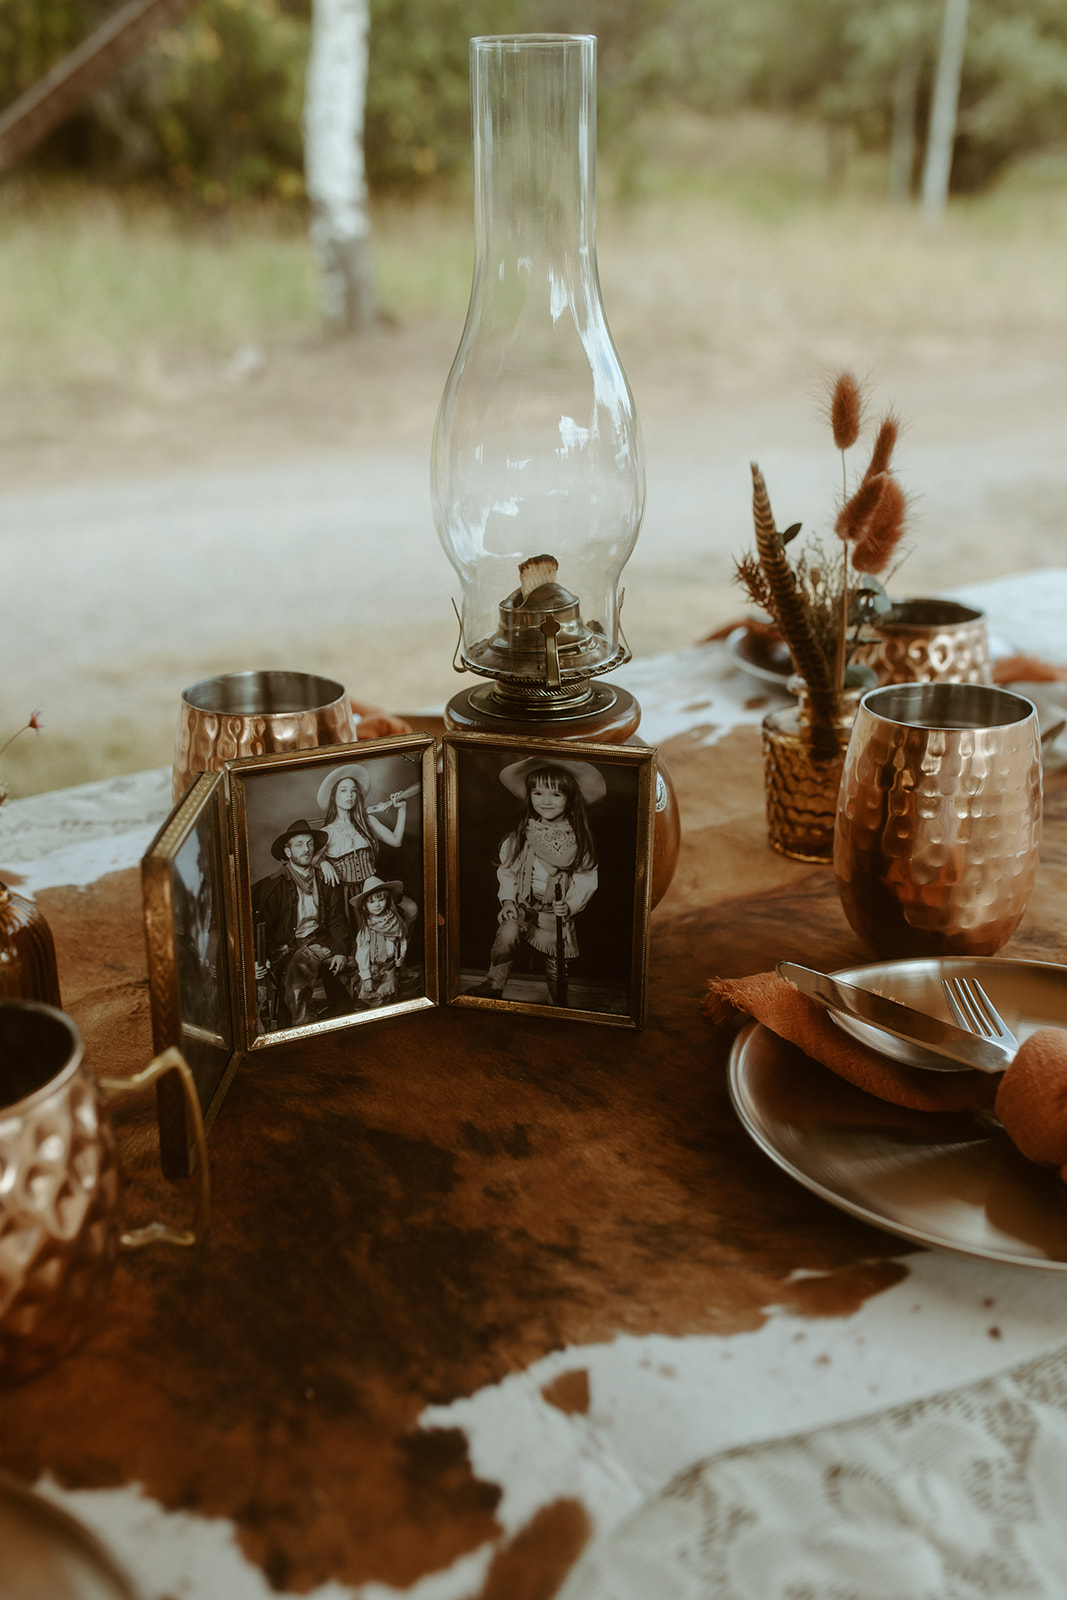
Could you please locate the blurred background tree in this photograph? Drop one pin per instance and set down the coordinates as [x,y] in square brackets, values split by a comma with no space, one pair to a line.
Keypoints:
[213,108]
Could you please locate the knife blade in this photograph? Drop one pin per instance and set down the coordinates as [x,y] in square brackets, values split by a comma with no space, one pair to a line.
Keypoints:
[946,1041]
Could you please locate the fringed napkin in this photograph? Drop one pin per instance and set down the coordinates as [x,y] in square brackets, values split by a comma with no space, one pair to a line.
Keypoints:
[1029,1098]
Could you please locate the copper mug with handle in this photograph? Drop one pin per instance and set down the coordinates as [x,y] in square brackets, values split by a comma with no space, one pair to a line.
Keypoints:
[60,1183]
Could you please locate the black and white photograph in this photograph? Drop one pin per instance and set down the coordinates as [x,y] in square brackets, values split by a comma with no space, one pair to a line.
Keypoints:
[335,861]
[548,871]
[189,959]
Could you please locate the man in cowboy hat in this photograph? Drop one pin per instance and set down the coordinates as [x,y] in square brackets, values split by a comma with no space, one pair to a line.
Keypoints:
[304,920]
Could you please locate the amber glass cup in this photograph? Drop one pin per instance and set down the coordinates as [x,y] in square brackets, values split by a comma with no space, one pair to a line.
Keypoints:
[939,818]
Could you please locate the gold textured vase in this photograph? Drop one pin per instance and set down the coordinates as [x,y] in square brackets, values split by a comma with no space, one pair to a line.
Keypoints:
[803,757]
[27,952]
[939,818]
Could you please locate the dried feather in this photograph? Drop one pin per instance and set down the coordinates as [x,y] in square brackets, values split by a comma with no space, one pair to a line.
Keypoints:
[859,509]
[846,411]
[786,603]
[871,553]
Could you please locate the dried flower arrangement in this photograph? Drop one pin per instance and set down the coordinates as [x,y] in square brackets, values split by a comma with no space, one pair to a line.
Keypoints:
[820,604]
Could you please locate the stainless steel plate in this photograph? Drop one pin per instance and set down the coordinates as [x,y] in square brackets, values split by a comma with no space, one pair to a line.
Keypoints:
[955,1182]
[47,1555]
[1028,995]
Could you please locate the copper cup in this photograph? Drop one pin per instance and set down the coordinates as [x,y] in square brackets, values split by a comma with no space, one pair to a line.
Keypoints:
[59,1185]
[256,714]
[927,641]
[939,818]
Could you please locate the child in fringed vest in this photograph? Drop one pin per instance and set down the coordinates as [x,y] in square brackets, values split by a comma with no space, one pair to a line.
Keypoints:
[382,924]
[547,869]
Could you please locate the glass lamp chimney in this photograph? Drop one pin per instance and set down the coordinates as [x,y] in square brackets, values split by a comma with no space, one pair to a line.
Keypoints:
[537,467]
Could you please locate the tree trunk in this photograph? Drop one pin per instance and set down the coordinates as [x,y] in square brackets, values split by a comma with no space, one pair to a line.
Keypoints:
[334,100]
[941,135]
[902,147]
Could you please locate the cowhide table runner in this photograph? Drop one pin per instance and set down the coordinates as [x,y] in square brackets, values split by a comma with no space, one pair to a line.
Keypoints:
[406,1213]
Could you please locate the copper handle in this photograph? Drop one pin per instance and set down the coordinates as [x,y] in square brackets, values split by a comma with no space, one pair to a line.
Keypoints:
[112,1089]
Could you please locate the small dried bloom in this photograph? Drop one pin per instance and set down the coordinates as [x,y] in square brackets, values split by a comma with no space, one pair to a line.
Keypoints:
[872,552]
[36,721]
[857,512]
[846,411]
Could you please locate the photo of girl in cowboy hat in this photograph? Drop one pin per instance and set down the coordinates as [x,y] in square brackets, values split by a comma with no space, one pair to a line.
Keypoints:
[354,831]
[548,853]
[546,871]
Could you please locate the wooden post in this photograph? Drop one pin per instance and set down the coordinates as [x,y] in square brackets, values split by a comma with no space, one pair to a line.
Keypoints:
[941,135]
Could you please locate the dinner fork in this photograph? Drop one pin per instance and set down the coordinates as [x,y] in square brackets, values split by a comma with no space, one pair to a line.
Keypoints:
[972,1009]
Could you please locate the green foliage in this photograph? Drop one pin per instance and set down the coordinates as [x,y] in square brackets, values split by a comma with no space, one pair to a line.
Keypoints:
[213,106]
[418,87]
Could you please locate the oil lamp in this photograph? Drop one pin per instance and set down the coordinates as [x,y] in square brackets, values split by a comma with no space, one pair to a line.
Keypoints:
[537,473]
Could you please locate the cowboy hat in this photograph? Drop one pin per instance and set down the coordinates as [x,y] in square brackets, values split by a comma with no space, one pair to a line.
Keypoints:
[302,825]
[590,782]
[355,770]
[371,885]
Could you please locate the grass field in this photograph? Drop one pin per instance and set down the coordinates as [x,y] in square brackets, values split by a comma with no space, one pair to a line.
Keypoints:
[732,226]
[143,341]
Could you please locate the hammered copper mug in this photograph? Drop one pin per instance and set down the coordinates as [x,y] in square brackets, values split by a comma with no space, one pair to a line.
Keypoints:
[927,640]
[59,1185]
[255,714]
[939,818]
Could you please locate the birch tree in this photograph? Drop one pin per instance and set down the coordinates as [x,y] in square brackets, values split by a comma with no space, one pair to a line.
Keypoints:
[941,135]
[334,168]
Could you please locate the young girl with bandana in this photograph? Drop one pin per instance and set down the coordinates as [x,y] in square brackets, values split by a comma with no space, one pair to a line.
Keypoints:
[547,869]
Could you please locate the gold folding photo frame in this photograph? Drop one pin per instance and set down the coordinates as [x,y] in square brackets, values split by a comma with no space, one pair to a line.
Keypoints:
[285,896]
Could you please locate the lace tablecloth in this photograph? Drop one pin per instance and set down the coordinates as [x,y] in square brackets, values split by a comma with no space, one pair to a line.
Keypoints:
[957,1497]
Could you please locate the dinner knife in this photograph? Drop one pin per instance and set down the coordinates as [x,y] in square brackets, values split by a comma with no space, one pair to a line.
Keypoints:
[945,1040]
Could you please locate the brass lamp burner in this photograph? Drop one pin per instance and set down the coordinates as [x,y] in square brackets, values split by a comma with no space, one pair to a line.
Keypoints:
[542,648]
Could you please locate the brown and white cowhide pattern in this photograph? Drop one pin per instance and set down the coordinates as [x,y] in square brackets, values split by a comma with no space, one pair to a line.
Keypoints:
[405,1213]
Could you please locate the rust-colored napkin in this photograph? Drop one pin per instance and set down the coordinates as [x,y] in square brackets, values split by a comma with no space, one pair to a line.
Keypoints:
[1027,669]
[1029,1098]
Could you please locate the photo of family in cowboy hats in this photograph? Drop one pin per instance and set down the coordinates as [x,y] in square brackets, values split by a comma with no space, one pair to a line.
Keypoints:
[337,852]
[549,849]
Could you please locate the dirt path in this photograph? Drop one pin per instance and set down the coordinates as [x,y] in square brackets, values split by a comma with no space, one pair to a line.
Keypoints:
[274,510]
